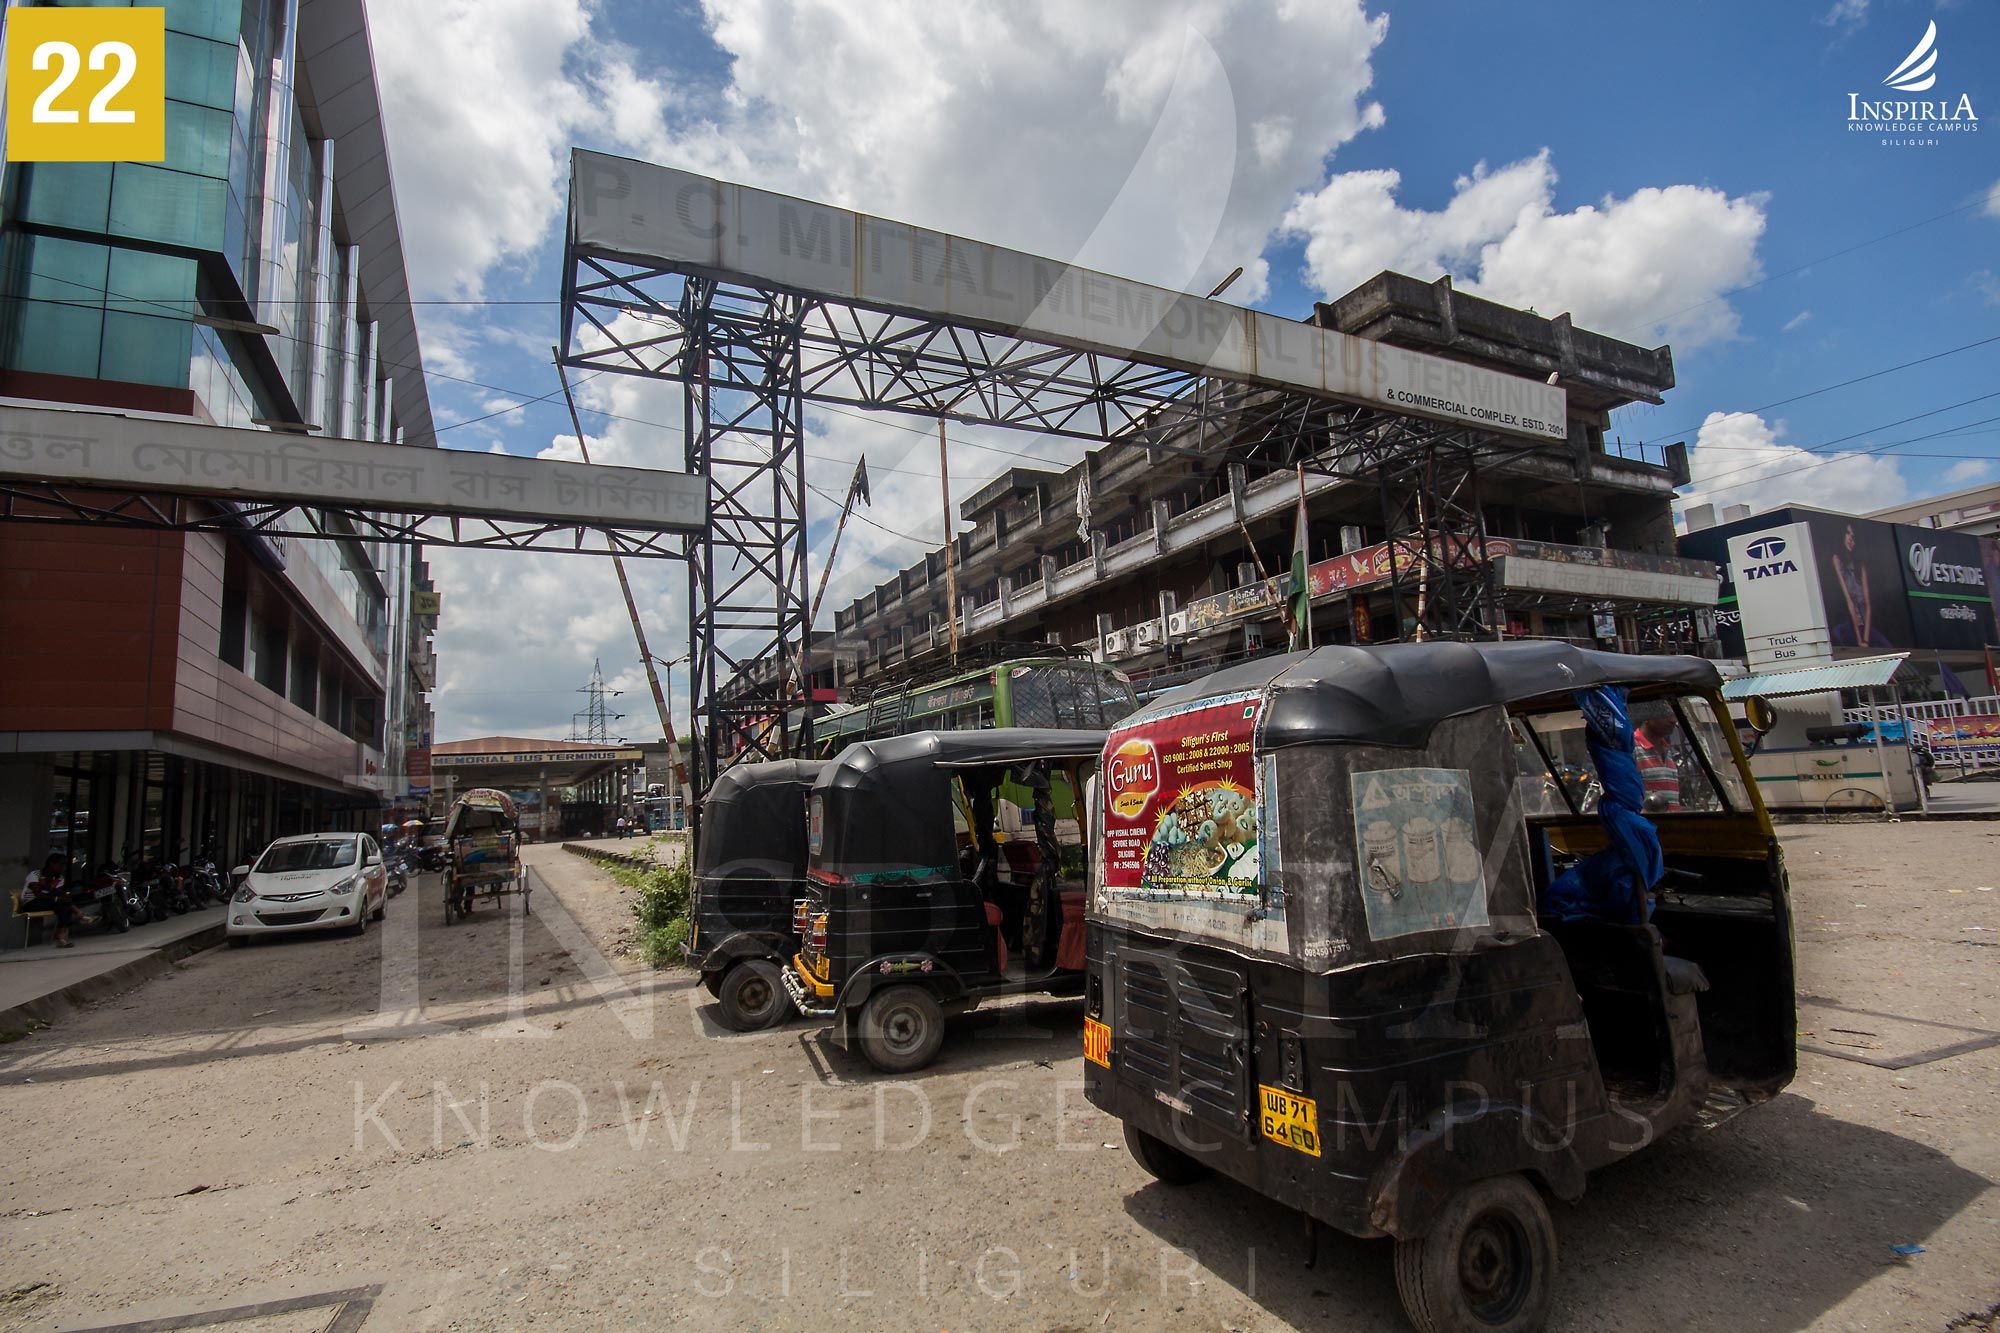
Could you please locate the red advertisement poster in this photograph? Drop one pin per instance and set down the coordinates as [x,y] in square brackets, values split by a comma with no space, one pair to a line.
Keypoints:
[1180,803]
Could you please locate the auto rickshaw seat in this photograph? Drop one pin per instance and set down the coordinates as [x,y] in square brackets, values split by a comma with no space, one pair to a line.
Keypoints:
[1684,977]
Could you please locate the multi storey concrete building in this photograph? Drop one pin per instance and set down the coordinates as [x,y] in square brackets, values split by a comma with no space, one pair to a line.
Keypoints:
[1169,562]
[163,691]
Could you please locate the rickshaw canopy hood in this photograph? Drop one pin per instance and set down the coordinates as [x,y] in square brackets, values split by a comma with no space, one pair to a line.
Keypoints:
[1396,694]
[886,804]
[756,813]
[482,806]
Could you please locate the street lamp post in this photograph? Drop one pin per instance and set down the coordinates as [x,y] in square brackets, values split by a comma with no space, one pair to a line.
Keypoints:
[668,664]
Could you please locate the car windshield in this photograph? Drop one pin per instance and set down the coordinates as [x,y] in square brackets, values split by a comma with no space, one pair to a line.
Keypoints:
[319,854]
[1681,750]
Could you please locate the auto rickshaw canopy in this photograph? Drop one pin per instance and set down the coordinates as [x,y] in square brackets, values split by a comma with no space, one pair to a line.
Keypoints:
[885,806]
[1394,694]
[1344,805]
[753,819]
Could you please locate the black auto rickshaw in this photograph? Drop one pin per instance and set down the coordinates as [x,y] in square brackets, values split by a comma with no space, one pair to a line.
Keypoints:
[1361,940]
[944,867]
[749,869]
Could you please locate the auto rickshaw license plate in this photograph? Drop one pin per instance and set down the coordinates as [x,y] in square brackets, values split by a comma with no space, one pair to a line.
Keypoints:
[1096,1043]
[1288,1118]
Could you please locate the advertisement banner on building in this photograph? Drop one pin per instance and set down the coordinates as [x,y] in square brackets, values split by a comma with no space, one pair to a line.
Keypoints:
[1181,804]
[1779,592]
[1861,583]
[417,765]
[1945,580]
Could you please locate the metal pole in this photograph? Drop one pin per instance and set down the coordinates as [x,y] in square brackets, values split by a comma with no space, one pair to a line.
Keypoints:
[631,606]
[950,556]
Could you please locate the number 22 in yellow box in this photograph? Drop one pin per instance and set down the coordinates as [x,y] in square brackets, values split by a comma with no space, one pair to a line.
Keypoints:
[86,85]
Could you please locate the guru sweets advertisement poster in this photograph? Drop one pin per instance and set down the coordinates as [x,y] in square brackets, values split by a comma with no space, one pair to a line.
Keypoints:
[1181,815]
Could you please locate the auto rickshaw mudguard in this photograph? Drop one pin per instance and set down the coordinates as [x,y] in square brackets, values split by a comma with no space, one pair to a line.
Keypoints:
[739,945]
[921,969]
[1456,1146]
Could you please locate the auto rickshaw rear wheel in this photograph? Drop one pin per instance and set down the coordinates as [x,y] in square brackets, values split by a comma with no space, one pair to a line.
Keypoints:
[753,998]
[902,1028]
[1162,1160]
[1488,1262]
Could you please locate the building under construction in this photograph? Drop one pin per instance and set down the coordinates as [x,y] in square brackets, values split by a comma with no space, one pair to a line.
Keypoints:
[1169,556]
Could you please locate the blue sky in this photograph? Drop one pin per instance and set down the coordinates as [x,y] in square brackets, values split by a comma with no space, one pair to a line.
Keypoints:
[1680,173]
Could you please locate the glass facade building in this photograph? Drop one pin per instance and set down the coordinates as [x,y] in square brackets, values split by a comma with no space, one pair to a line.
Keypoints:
[251,280]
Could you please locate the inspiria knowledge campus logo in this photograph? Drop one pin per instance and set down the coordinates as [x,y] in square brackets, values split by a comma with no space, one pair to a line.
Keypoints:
[1913,122]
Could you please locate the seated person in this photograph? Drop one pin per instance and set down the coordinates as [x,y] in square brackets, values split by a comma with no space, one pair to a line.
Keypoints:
[47,891]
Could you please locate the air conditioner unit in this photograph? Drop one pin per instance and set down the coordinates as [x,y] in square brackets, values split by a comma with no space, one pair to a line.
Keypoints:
[1177,624]
[1117,643]
[1145,634]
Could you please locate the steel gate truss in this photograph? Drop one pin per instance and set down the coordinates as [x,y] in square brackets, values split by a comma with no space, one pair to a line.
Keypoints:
[33,502]
[760,304]
[748,594]
[107,468]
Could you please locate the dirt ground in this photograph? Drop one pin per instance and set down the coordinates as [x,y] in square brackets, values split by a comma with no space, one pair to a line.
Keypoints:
[494,1125]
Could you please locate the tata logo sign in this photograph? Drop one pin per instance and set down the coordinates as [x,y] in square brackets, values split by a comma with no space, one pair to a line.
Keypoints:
[1928,570]
[1771,560]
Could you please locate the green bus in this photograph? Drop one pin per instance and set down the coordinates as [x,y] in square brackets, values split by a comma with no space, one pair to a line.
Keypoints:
[1022,692]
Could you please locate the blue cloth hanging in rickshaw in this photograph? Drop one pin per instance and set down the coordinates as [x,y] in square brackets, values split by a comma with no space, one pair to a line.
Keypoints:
[1613,884]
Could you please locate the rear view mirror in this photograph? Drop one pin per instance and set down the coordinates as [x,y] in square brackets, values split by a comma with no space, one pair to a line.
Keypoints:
[241,872]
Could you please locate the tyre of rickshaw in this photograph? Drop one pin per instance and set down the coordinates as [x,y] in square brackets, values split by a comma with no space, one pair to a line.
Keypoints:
[1488,1261]
[752,997]
[450,900]
[902,1028]
[1162,1160]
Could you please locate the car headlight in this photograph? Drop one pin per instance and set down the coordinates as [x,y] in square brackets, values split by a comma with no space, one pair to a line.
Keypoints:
[347,885]
[246,894]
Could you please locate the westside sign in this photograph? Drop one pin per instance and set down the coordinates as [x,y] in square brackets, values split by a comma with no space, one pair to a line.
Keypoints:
[1944,578]
[642,213]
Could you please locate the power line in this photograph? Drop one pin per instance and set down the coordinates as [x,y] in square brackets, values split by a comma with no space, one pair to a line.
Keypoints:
[1858,379]
[1800,268]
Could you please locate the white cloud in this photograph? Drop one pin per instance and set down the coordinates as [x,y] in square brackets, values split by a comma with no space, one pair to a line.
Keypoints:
[1738,458]
[1656,264]
[1969,471]
[1157,141]
[1846,14]
[1992,209]
[482,99]
[1797,321]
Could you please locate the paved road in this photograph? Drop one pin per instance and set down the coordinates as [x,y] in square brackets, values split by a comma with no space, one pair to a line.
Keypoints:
[491,1125]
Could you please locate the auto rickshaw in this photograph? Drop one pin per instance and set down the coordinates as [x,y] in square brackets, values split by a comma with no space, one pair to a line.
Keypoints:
[943,867]
[482,838]
[749,869]
[1361,940]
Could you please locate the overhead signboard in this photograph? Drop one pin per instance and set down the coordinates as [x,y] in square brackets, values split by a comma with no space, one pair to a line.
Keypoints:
[534,757]
[147,455]
[426,602]
[651,214]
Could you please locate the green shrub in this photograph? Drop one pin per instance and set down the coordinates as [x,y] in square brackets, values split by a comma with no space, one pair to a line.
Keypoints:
[664,904]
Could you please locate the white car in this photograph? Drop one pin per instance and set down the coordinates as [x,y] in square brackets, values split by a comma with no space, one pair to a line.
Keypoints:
[315,881]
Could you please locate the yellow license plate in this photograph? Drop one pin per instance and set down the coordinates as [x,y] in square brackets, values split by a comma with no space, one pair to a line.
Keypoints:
[1096,1043]
[1287,1118]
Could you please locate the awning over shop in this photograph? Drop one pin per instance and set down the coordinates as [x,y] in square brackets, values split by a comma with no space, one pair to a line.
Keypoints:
[1858,674]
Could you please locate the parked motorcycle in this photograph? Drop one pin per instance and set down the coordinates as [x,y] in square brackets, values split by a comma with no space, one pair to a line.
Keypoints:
[207,882]
[99,897]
